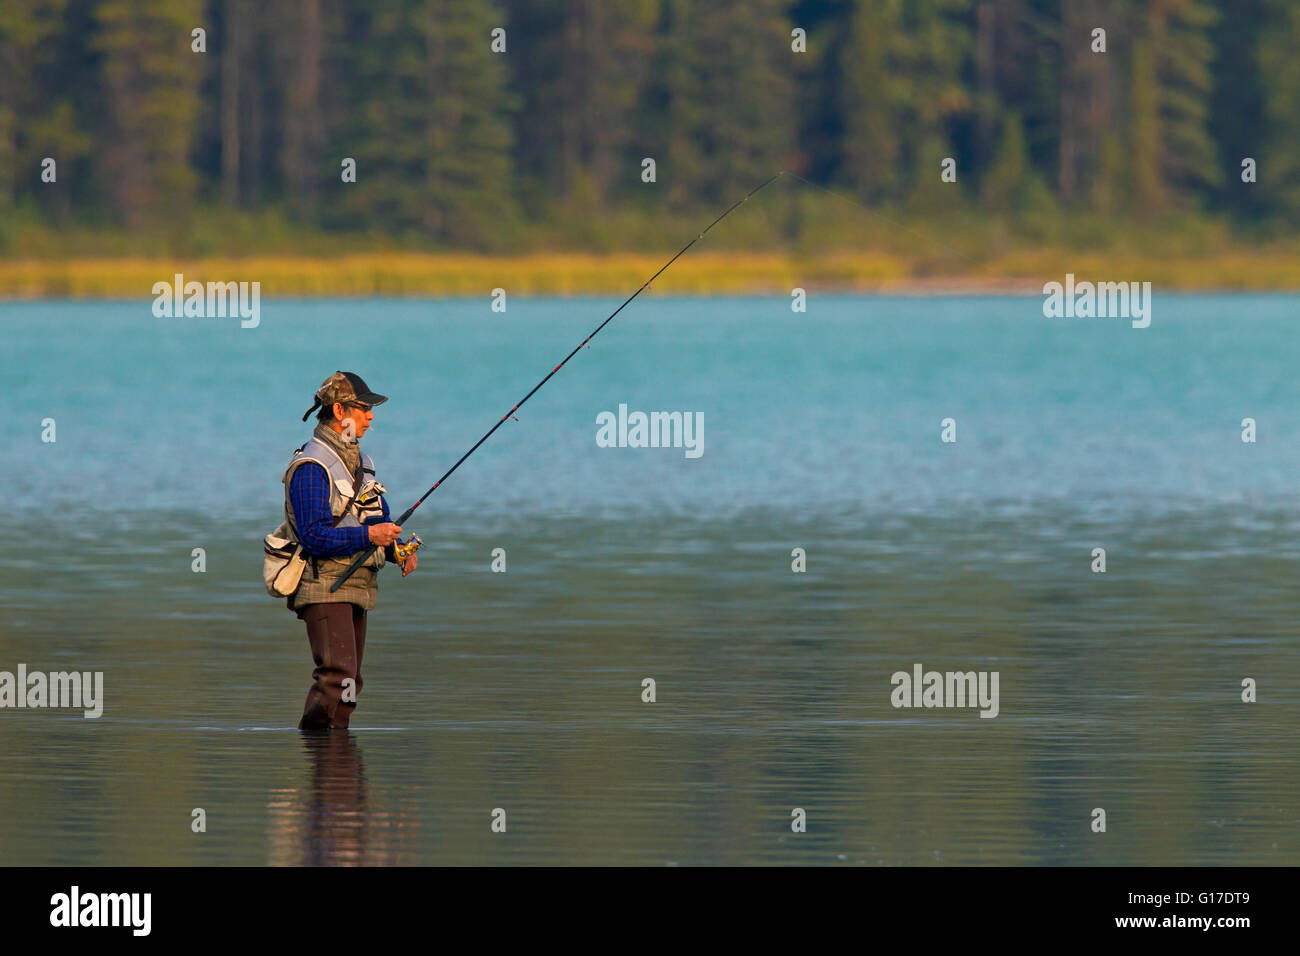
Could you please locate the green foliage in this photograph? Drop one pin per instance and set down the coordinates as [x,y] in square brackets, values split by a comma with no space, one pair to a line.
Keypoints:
[26,27]
[1279,160]
[429,125]
[459,147]
[151,78]
[1184,54]
[1004,186]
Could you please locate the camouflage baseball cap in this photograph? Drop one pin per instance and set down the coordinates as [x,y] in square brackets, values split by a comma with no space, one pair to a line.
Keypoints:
[345,387]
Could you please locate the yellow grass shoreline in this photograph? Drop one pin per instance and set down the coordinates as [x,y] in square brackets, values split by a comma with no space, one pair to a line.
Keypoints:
[437,275]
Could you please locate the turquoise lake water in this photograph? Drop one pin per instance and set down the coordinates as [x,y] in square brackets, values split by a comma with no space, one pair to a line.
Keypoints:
[822,431]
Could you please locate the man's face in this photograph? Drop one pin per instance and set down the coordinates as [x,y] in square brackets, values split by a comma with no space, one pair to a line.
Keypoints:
[359,415]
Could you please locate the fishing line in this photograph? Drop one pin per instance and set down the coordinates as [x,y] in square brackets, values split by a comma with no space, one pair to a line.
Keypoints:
[402,519]
[363,556]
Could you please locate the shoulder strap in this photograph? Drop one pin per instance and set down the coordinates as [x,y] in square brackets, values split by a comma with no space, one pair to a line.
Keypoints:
[356,490]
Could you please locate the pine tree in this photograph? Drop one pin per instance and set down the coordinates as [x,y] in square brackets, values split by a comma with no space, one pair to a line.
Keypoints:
[1279,161]
[902,70]
[581,67]
[301,44]
[26,27]
[873,95]
[1004,184]
[1173,158]
[672,111]
[429,128]
[1147,187]
[467,169]
[746,95]
[1184,55]
[151,78]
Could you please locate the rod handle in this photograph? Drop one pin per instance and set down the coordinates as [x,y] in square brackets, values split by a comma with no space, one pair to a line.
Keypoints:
[359,560]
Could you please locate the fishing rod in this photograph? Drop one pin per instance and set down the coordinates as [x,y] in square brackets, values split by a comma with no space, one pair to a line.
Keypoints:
[363,556]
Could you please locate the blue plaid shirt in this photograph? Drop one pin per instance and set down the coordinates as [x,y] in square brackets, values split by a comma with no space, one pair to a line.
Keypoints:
[309,493]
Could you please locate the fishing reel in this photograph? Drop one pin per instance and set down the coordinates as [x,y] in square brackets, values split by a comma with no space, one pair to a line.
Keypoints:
[404,551]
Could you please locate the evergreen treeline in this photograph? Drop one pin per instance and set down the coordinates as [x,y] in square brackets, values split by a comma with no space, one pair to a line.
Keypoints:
[453,141]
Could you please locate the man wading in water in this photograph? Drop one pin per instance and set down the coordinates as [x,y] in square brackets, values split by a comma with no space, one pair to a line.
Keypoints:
[336,509]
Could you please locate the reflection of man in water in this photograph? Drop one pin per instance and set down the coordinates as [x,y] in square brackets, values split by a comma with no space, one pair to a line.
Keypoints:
[335,507]
[332,824]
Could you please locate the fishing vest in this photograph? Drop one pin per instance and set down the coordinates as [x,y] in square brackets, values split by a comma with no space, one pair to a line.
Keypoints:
[363,586]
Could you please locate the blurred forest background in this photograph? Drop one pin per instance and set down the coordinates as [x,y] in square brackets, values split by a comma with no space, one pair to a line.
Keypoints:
[237,151]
